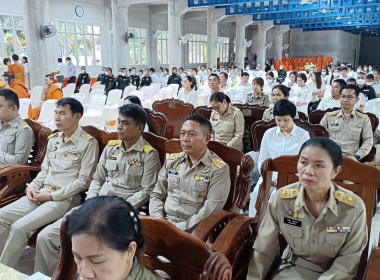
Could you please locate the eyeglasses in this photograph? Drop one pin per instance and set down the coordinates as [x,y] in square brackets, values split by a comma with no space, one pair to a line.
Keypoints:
[216,108]
[348,97]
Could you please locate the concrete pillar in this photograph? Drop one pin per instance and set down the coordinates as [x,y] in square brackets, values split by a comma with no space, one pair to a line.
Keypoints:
[152,42]
[241,23]
[37,54]
[279,40]
[176,9]
[213,17]
[119,28]
[49,42]
[263,27]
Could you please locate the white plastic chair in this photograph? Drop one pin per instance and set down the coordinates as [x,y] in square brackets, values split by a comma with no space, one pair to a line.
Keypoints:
[47,111]
[165,93]
[147,92]
[175,88]
[95,84]
[67,92]
[110,111]
[94,115]
[137,93]
[127,91]
[35,96]
[24,107]
[58,85]
[156,88]
[71,85]
[85,88]
[99,86]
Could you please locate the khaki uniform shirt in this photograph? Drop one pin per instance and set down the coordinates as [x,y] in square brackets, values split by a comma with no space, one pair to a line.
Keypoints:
[331,244]
[139,272]
[187,195]
[268,115]
[16,141]
[130,174]
[262,99]
[228,128]
[68,166]
[347,132]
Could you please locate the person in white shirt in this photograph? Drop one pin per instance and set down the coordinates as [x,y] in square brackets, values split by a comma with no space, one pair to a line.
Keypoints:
[59,72]
[291,81]
[187,92]
[181,73]
[239,93]
[236,80]
[194,75]
[270,82]
[284,139]
[163,80]
[376,82]
[258,73]
[343,74]
[71,71]
[273,70]
[373,106]
[301,93]
[223,86]
[155,77]
[325,75]
[333,100]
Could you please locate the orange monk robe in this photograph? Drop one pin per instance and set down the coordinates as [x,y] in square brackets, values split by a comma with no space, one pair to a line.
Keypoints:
[20,89]
[53,92]
[18,71]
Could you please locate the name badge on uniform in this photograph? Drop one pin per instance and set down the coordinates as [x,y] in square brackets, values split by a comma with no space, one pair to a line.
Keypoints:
[173,172]
[134,162]
[292,222]
[111,158]
[357,125]
[338,229]
[202,178]
[69,153]
[335,123]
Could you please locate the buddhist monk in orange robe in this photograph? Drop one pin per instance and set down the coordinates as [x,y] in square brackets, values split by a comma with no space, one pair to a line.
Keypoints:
[51,92]
[19,88]
[17,69]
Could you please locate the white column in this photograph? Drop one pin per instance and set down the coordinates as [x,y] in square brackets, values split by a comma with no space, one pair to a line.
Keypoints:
[50,42]
[263,26]
[36,48]
[279,40]
[241,23]
[213,17]
[152,41]
[119,28]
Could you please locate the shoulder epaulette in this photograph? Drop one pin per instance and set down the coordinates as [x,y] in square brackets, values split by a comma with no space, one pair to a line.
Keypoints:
[87,137]
[333,113]
[288,193]
[147,148]
[268,109]
[344,197]
[218,162]
[361,115]
[235,108]
[114,142]
[24,124]
[53,135]
[175,156]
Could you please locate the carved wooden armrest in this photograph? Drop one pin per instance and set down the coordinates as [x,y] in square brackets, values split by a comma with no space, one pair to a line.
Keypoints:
[373,271]
[210,227]
[217,267]
[244,187]
[16,175]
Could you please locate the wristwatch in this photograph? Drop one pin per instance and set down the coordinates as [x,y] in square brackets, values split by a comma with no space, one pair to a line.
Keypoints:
[357,157]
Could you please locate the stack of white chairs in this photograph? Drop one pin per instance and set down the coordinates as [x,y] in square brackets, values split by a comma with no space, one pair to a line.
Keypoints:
[94,115]
[68,90]
[111,109]
[127,91]
[175,88]
[85,89]
[46,116]
[58,85]
[92,93]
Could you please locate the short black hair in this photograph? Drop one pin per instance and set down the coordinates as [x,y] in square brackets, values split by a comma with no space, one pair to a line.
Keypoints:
[68,58]
[192,81]
[284,89]
[204,123]
[219,97]
[15,57]
[11,97]
[244,74]
[270,73]
[370,76]
[59,59]
[353,87]
[75,105]
[342,82]
[329,146]
[134,99]
[25,58]
[349,80]
[180,68]
[109,69]
[111,220]
[152,69]
[284,108]
[224,74]
[302,76]
[259,81]
[6,60]
[135,112]
[293,73]
[174,68]
[343,68]
[214,75]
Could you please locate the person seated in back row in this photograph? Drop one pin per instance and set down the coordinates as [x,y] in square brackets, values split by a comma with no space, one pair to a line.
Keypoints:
[83,78]
[347,126]
[128,168]
[66,170]
[16,136]
[192,184]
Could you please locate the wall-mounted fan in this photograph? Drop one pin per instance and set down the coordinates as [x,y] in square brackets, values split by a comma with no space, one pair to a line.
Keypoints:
[268,46]
[248,43]
[285,47]
[47,31]
[129,35]
[184,39]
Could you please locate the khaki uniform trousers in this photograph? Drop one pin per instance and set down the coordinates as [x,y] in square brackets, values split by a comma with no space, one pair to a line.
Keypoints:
[20,219]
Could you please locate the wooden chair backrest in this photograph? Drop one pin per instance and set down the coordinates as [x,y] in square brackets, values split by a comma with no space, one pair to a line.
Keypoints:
[260,127]
[203,111]
[156,122]
[41,134]
[158,143]
[101,136]
[186,257]
[251,113]
[175,111]
[365,180]
[240,169]
[303,116]
[316,116]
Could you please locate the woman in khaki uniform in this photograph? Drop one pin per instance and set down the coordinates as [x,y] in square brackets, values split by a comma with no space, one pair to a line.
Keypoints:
[227,121]
[323,224]
[258,96]
[106,238]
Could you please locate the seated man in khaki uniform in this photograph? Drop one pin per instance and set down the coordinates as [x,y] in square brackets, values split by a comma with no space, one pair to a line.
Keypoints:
[16,136]
[347,126]
[66,171]
[128,168]
[192,184]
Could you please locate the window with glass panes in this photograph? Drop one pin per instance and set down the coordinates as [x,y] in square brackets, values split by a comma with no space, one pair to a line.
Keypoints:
[222,48]
[137,46]
[198,48]
[12,36]
[162,47]
[80,41]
